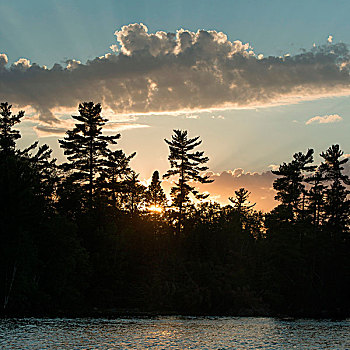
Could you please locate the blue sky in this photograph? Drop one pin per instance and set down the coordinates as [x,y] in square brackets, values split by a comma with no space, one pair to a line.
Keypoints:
[49,31]
[250,137]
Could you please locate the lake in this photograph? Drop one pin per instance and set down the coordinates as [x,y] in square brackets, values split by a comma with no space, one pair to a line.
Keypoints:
[174,333]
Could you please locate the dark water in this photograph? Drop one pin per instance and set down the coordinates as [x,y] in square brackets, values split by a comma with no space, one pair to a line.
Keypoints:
[174,333]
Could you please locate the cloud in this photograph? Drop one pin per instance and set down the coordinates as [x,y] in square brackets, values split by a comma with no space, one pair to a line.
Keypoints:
[3,60]
[168,72]
[49,131]
[192,116]
[22,63]
[326,119]
[59,128]
[121,126]
[274,166]
[72,64]
[114,48]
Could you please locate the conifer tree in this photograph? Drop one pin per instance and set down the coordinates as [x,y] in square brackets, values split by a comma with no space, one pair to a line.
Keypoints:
[116,172]
[40,162]
[8,135]
[155,195]
[86,147]
[26,186]
[289,186]
[241,203]
[336,206]
[243,208]
[134,193]
[187,165]
[316,195]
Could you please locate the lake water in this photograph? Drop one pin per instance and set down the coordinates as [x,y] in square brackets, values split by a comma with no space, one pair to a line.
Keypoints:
[174,333]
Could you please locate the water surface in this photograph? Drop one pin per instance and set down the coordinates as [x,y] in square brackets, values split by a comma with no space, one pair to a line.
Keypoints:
[174,333]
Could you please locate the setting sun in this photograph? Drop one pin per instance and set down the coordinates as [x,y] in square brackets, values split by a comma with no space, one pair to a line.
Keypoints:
[155,209]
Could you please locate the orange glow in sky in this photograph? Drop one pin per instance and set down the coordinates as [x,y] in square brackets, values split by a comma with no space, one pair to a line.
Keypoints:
[155,208]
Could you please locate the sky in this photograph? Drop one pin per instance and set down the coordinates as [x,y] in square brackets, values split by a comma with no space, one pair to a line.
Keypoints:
[256,80]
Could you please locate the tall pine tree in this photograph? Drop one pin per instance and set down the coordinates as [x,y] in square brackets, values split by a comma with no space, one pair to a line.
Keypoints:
[8,135]
[336,206]
[116,174]
[155,195]
[290,187]
[86,147]
[187,165]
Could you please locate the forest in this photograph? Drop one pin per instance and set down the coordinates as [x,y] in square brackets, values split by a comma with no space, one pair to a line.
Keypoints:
[86,237]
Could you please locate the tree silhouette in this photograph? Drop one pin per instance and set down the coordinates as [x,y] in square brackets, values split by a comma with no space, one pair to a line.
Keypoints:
[155,195]
[8,135]
[57,258]
[316,195]
[86,147]
[133,193]
[115,174]
[187,166]
[241,203]
[336,206]
[289,186]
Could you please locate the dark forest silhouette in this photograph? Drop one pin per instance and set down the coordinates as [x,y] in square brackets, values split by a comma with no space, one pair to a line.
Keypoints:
[86,236]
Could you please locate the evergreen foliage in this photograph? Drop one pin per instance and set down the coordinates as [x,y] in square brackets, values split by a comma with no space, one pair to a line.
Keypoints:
[155,195]
[336,204]
[86,147]
[290,185]
[8,135]
[186,165]
[118,257]
[116,175]
[241,203]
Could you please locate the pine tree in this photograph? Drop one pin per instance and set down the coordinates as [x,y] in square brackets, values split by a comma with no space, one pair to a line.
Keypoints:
[336,206]
[8,135]
[86,147]
[243,210]
[290,187]
[134,193]
[155,195]
[40,162]
[315,196]
[187,166]
[241,203]
[116,172]
[26,190]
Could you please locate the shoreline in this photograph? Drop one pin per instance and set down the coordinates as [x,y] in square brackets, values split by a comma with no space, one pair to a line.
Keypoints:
[133,313]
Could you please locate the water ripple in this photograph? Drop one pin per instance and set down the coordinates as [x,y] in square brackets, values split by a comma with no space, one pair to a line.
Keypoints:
[173,333]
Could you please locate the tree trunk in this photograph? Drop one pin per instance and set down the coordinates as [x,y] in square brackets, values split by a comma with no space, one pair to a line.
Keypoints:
[8,293]
[90,175]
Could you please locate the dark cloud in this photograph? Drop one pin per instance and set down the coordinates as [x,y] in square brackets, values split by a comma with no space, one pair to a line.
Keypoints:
[155,72]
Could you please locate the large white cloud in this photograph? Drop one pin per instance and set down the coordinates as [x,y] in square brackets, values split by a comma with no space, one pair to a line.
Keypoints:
[155,72]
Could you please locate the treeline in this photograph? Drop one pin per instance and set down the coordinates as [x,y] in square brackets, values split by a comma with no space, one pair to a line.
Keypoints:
[87,236]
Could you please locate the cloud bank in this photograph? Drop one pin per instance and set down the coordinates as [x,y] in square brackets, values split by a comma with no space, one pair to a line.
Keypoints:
[326,119]
[164,72]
